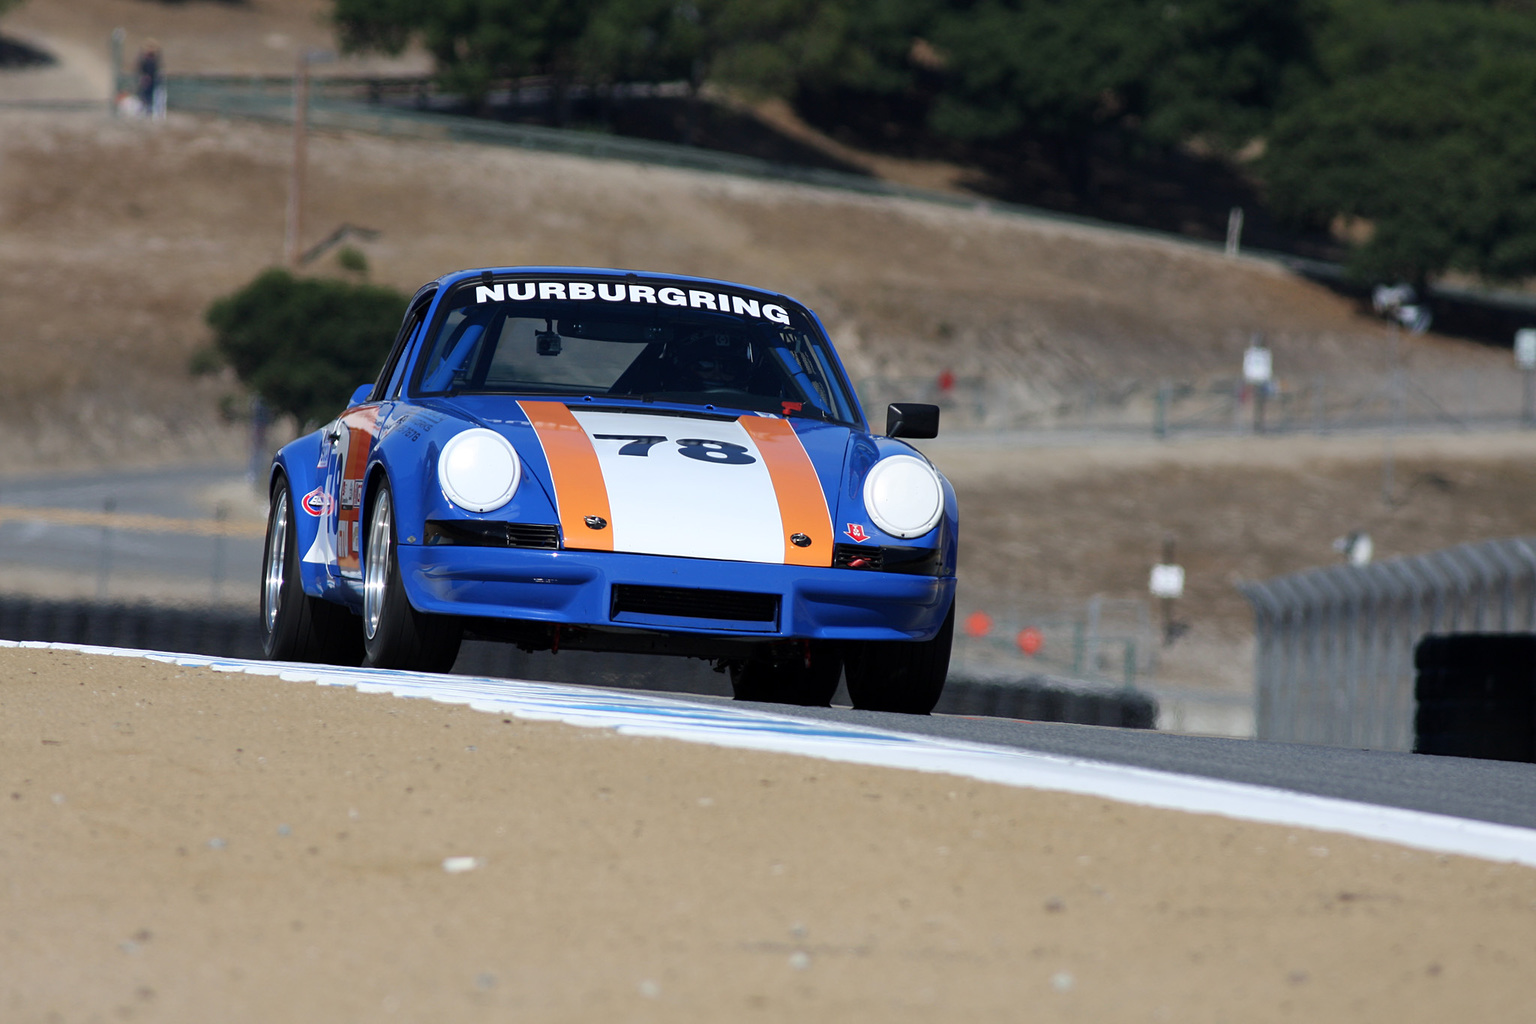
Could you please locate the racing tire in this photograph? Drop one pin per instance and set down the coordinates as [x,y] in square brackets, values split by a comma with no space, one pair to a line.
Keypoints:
[781,675]
[903,676]
[395,634]
[296,626]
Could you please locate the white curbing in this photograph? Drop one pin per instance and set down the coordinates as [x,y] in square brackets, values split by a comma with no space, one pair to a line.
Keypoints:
[645,714]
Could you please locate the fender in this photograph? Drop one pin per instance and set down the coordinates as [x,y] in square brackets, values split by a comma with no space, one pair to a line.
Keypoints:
[852,517]
[303,463]
[409,463]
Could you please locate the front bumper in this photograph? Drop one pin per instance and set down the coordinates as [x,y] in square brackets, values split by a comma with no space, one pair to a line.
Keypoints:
[577,588]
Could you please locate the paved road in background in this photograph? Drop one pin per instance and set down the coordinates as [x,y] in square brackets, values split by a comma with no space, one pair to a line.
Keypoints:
[198,563]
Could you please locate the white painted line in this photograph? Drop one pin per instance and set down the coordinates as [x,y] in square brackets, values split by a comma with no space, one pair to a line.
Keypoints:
[645,714]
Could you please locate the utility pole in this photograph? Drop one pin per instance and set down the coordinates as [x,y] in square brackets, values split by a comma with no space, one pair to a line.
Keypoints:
[295,220]
[114,90]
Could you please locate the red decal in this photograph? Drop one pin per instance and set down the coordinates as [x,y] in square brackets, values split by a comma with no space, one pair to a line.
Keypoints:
[856,531]
[317,502]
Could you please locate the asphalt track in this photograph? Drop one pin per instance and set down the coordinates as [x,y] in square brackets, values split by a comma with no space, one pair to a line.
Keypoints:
[1501,792]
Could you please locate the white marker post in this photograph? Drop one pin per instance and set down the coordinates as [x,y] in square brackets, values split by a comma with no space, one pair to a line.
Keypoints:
[1167,585]
[1525,358]
[1258,372]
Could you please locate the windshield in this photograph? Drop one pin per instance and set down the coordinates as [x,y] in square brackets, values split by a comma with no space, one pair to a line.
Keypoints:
[758,356]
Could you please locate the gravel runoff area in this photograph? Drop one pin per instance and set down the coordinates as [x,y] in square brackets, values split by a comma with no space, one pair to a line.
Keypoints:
[187,845]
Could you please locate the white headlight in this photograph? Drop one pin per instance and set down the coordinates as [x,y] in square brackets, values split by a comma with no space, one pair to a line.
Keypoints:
[903,496]
[479,470]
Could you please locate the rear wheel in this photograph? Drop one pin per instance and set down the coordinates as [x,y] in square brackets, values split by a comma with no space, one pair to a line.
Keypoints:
[295,626]
[396,635]
[789,674]
[904,676]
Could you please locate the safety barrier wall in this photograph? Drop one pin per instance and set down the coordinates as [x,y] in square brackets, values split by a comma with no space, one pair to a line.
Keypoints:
[1335,646]
[236,634]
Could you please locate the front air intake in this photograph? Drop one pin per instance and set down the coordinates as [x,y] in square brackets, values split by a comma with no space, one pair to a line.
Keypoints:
[690,603]
[492,533]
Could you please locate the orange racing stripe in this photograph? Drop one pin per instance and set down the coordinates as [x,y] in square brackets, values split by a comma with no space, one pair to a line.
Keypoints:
[802,506]
[577,477]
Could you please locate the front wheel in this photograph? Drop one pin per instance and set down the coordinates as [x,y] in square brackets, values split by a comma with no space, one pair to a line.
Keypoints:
[896,675]
[295,626]
[396,635]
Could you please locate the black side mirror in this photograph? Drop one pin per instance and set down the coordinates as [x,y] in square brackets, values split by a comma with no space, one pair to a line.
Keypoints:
[911,419]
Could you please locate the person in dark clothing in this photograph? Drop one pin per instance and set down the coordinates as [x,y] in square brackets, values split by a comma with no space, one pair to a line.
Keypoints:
[149,79]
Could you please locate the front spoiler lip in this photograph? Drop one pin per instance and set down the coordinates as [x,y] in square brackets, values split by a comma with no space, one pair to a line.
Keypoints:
[574,588]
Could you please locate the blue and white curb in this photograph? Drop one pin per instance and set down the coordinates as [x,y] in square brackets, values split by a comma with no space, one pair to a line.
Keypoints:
[726,725]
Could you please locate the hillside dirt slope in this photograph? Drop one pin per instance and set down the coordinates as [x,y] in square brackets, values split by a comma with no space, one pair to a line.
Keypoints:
[186,845]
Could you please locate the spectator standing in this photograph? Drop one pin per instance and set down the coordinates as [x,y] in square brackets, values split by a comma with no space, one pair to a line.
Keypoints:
[151,83]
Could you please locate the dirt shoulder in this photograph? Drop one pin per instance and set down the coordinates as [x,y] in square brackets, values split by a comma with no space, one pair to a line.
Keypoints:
[188,845]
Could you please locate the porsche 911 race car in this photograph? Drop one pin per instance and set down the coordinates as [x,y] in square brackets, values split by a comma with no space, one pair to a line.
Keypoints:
[587,459]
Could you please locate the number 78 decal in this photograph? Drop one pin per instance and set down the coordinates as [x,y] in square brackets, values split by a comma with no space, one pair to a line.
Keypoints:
[703,449]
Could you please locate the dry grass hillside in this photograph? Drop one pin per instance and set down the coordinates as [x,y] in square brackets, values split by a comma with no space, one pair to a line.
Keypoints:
[115,235]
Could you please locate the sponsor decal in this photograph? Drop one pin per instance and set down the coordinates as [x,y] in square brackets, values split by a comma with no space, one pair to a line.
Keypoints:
[317,502]
[613,291]
[351,493]
[856,531]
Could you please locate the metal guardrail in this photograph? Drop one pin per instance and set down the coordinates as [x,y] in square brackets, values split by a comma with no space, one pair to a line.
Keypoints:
[1334,662]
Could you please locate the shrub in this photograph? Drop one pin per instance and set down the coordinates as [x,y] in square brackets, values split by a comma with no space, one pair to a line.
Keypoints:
[303,344]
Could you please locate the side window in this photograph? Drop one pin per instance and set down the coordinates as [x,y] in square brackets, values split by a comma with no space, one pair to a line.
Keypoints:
[397,376]
[388,383]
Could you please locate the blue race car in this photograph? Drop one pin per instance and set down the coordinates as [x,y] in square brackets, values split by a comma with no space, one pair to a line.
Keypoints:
[567,458]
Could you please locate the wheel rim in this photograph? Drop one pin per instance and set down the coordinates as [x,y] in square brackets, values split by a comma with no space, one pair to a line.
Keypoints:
[381,538]
[276,561]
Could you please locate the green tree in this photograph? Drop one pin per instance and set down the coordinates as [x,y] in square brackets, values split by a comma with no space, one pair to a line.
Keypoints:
[1168,69]
[304,344]
[473,42]
[1422,129]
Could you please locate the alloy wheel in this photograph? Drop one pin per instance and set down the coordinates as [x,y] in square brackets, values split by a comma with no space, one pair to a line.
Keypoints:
[381,538]
[276,561]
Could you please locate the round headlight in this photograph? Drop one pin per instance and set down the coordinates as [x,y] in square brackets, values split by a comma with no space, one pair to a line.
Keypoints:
[903,496]
[479,470]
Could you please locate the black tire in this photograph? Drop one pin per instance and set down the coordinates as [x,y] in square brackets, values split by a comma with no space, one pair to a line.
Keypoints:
[780,675]
[904,676]
[295,626]
[395,634]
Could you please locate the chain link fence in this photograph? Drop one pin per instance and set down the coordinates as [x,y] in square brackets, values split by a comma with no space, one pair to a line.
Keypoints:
[1334,662]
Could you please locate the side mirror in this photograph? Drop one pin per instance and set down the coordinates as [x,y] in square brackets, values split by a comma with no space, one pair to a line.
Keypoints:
[360,395]
[911,419]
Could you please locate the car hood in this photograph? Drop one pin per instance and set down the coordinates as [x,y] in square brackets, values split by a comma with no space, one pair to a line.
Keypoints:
[678,481]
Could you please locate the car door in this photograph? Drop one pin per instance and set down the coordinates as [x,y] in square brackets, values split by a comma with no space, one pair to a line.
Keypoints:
[351,439]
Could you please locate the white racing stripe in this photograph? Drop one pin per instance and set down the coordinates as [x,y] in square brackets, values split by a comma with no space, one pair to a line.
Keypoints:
[718,502]
[643,714]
